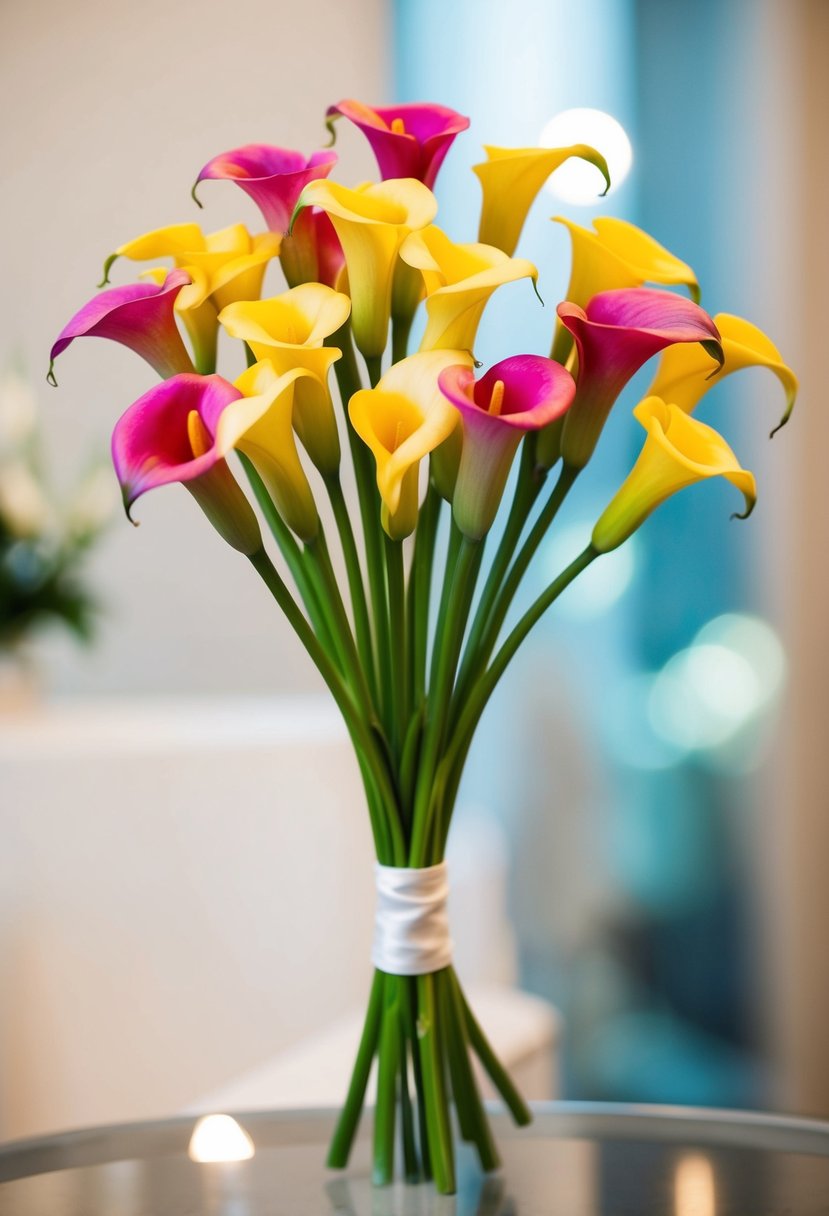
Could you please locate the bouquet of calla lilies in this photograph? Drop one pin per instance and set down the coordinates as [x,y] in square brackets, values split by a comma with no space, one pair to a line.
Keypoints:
[413,643]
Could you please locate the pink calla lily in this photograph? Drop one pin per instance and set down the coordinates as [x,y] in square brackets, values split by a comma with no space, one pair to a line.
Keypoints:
[168,435]
[408,140]
[138,315]
[615,335]
[520,394]
[273,177]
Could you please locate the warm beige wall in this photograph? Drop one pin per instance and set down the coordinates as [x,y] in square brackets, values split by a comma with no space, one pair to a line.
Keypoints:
[110,108]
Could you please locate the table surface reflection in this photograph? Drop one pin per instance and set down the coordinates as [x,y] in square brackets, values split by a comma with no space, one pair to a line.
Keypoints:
[574,1160]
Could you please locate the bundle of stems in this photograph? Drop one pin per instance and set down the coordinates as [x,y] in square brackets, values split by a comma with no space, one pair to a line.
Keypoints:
[412,660]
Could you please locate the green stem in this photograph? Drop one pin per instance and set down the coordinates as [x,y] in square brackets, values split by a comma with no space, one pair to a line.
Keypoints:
[420,590]
[410,1162]
[388,1066]
[434,1085]
[472,1118]
[489,637]
[398,633]
[400,330]
[498,1074]
[359,604]
[459,588]
[349,1118]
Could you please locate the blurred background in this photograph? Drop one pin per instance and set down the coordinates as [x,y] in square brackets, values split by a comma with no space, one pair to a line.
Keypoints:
[645,818]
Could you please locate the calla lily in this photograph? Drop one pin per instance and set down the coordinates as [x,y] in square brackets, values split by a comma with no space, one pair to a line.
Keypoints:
[678,452]
[519,394]
[260,425]
[459,279]
[140,316]
[684,376]
[169,435]
[615,335]
[510,180]
[273,177]
[618,254]
[402,419]
[289,331]
[408,140]
[224,266]
[372,222]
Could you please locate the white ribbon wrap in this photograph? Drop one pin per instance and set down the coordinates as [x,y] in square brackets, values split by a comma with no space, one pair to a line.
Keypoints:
[411,925]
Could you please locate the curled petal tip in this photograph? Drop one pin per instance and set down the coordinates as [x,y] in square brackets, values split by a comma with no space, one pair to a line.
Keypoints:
[539,296]
[695,293]
[331,127]
[713,347]
[195,196]
[113,257]
[51,378]
[745,514]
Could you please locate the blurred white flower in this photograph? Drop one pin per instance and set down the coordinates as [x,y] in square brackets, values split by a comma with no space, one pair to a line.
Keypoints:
[18,410]
[93,504]
[24,507]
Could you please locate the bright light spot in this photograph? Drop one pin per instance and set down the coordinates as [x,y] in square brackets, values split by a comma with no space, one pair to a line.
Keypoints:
[577,181]
[706,696]
[601,585]
[220,1138]
[695,1193]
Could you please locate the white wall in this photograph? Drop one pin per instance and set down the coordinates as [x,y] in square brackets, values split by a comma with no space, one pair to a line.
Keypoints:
[110,108]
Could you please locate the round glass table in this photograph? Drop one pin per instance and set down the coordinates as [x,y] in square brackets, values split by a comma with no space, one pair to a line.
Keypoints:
[574,1160]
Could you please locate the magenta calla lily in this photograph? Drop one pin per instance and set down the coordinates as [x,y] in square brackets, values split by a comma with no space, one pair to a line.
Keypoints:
[273,177]
[408,140]
[138,315]
[520,394]
[615,335]
[168,435]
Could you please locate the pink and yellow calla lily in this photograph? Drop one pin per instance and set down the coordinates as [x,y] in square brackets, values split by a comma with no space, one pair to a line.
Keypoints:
[520,394]
[224,266]
[459,279]
[679,451]
[615,335]
[289,331]
[403,419]
[169,435]
[683,375]
[138,315]
[409,140]
[273,177]
[510,180]
[260,424]
[372,223]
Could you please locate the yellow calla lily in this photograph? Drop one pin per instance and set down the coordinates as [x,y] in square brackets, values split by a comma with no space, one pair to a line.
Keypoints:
[459,279]
[372,223]
[684,372]
[678,451]
[289,330]
[510,180]
[224,266]
[260,425]
[618,254]
[401,420]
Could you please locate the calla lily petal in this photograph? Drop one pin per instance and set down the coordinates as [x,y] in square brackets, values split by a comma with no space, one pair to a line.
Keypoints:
[615,335]
[169,435]
[510,180]
[401,420]
[290,331]
[138,315]
[459,279]
[260,425]
[618,254]
[684,376]
[273,177]
[678,452]
[520,394]
[408,140]
[372,222]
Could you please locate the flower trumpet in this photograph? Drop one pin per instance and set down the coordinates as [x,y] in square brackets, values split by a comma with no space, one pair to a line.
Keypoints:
[520,394]
[678,451]
[138,315]
[510,180]
[407,140]
[169,435]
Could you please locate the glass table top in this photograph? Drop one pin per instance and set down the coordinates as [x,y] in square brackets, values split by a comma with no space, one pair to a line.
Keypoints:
[574,1160]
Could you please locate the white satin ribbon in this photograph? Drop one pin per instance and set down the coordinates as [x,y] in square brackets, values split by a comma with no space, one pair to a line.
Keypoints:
[411,925]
